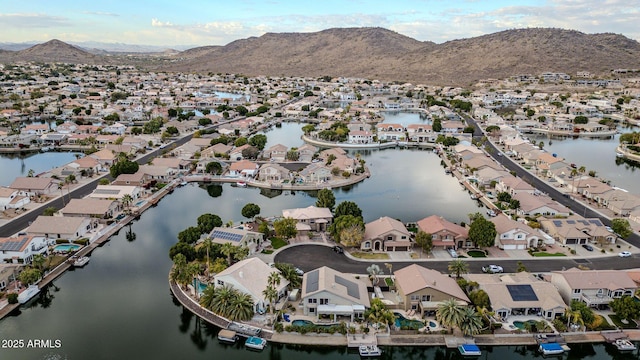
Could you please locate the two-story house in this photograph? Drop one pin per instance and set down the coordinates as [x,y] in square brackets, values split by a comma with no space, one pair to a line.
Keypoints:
[514,235]
[595,288]
[444,233]
[386,234]
[310,218]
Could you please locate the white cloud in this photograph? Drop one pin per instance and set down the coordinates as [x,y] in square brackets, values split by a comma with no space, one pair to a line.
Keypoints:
[33,20]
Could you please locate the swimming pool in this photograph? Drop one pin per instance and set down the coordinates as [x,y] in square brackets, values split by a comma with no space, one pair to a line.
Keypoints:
[521,324]
[199,285]
[66,247]
[301,323]
[403,323]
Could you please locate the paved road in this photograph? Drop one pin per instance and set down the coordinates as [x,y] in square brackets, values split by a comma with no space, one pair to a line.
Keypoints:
[560,197]
[307,257]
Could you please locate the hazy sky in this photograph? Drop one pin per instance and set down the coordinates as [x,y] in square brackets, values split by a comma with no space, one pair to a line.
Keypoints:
[215,22]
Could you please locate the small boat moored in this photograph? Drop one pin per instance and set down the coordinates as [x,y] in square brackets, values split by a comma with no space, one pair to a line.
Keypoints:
[551,349]
[469,350]
[241,184]
[369,350]
[227,336]
[624,345]
[28,293]
[80,261]
[255,343]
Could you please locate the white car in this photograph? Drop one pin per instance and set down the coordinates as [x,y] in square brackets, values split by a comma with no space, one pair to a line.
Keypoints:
[624,254]
[492,269]
[453,253]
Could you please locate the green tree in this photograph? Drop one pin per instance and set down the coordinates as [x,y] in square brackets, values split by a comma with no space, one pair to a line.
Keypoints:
[103,181]
[259,141]
[49,211]
[240,308]
[521,267]
[621,227]
[206,222]
[424,241]
[626,307]
[288,271]
[123,166]
[482,232]
[458,267]
[586,313]
[180,272]
[285,228]
[240,141]
[470,322]
[29,275]
[250,210]
[437,125]
[377,313]
[326,199]
[184,249]
[309,128]
[344,222]
[228,249]
[347,208]
[479,298]
[213,167]
[38,262]
[189,235]
[449,313]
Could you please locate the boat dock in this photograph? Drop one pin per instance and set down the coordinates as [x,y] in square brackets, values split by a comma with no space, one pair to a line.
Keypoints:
[452,342]
[613,335]
[357,340]
[244,330]
[550,338]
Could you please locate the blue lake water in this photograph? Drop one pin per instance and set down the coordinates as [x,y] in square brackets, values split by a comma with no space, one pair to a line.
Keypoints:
[16,166]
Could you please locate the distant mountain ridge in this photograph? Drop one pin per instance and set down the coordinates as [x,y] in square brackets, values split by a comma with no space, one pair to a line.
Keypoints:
[378,53]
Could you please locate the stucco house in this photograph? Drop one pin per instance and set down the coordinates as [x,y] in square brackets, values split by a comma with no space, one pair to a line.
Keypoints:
[276,152]
[60,227]
[21,249]
[250,276]
[90,207]
[239,236]
[273,173]
[444,233]
[593,287]
[10,199]
[577,230]
[514,235]
[422,290]
[327,292]
[386,234]
[313,218]
[33,186]
[243,168]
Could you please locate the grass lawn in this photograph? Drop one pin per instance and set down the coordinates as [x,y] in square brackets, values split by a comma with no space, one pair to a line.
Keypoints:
[267,251]
[368,255]
[55,260]
[544,253]
[618,322]
[388,281]
[476,253]
[277,243]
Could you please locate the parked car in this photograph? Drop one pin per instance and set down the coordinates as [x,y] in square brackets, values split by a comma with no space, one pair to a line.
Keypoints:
[624,254]
[609,229]
[338,249]
[453,253]
[491,213]
[492,269]
[588,247]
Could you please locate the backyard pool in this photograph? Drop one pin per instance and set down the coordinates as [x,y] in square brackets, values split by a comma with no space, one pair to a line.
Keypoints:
[404,323]
[521,324]
[65,248]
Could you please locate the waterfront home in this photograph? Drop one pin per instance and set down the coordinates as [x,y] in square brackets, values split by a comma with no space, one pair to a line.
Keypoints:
[514,235]
[306,152]
[444,233]
[236,153]
[35,129]
[595,288]
[480,162]
[115,192]
[466,152]
[520,294]
[621,202]
[421,133]
[310,218]
[34,186]
[215,150]
[452,127]
[105,157]
[576,230]
[592,188]
[360,137]
[386,234]
[337,152]
[391,132]
[539,204]
[423,290]
[175,164]
[21,249]
[488,176]
[276,152]
[344,164]
[250,276]
[243,168]
[139,178]
[90,207]
[273,173]
[158,172]
[514,185]
[240,236]
[315,173]
[61,227]
[11,199]
[8,274]
[330,293]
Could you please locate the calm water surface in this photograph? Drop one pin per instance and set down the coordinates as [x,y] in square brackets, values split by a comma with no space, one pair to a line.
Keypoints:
[15,166]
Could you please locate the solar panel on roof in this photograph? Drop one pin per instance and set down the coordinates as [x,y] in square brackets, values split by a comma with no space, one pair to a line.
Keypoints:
[595,222]
[585,222]
[557,223]
[571,222]
[13,245]
[312,281]
[352,288]
[522,292]
[106,191]
[224,235]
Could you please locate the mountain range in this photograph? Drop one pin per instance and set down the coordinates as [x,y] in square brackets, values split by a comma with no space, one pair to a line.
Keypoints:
[377,53]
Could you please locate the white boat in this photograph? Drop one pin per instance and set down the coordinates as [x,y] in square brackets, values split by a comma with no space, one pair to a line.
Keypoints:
[28,293]
[81,261]
[255,343]
[369,350]
[241,184]
[551,348]
[227,336]
[469,350]
[624,345]
[183,183]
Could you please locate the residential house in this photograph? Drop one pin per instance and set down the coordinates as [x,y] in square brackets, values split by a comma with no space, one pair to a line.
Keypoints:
[327,292]
[577,230]
[276,152]
[421,133]
[11,199]
[306,152]
[539,204]
[158,172]
[520,294]
[115,192]
[391,132]
[360,137]
[243,168]
[513,185]
[90,207]
[386,234]
[175,164]
[547,162]
[514,235]
[106,158]
[315,173]
[596,288]
[115,129]
[273,173]
[240,236]
[250,276]
[423,290]
[236,153]
[213,151]
[445,234]
[21,249]
[8,274]
[621,202]
[34,186]
[139,178]
[310,218]
[60,227]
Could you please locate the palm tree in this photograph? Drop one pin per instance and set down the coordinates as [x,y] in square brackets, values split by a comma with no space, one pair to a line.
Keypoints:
[60,187]
[458,267]
[378,313]
[207,299]
[227,249]
[179,273]
[471,322]
[126,202]
[208,243]
[449,313]
[486,314]
[573,317]
[38,262]
[221,297]
[240,307]
[271,292]
[374,270]
[288,272]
